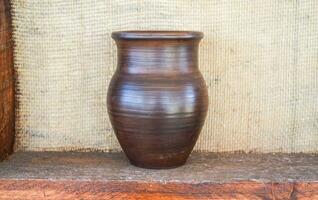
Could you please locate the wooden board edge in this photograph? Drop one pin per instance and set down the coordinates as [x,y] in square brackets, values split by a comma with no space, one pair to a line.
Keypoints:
[76,189]
[7,101]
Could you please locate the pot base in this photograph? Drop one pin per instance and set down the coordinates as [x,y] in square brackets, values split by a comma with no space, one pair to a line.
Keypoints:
[158,160]
[157,166]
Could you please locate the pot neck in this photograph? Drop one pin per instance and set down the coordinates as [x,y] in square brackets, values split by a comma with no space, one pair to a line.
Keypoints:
[163,56]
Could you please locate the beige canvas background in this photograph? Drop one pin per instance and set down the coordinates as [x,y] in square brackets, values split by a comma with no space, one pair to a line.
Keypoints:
[259,59]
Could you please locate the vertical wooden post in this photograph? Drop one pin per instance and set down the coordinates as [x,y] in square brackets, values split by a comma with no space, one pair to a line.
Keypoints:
[6,81]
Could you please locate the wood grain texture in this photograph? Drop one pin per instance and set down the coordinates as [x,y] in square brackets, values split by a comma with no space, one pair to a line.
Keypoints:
[157,99]
[31,175]
[6,82]
[46,189]
[200,168]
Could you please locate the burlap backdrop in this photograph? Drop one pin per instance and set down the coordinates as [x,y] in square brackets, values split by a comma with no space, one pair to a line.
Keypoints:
[259,59]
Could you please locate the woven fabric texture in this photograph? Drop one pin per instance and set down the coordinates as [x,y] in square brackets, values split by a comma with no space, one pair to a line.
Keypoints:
[259,59]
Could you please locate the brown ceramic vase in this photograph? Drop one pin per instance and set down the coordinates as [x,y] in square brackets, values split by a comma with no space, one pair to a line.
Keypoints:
[157,99]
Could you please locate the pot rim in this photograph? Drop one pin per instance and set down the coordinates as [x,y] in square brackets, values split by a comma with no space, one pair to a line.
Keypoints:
[156,35]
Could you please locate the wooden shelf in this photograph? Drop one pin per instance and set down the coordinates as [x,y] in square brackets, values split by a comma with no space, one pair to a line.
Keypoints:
[49,175]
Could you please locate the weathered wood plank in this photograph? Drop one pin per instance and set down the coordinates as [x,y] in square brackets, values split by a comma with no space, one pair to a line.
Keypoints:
[200,168]
[6,82]
[49,189]
[44,175]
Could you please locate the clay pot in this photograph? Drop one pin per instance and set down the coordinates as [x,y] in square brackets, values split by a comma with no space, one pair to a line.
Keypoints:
[157,98]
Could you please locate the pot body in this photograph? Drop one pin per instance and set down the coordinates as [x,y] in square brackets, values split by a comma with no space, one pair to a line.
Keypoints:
[157,99]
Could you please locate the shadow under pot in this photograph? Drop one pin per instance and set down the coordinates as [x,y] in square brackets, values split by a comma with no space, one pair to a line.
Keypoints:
[157,99]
